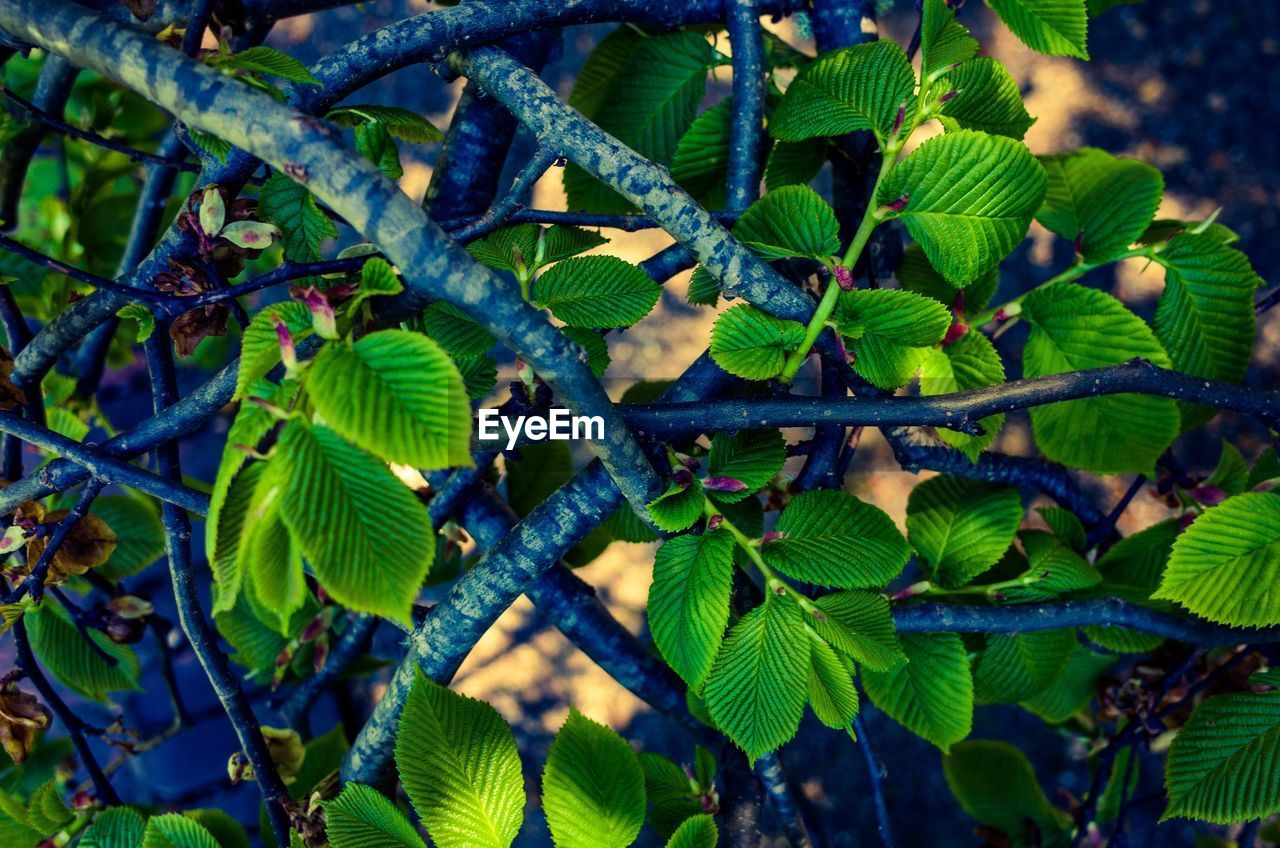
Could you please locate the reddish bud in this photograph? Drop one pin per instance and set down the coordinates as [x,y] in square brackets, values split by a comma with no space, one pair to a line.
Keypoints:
[682,477]
[949,96]
[288,353]
[314,628]
[844,278]
[900,118]
[899,204]
[1209,495]
[723,484]
[772,536]
[714,522]
[955,333]
[322,316]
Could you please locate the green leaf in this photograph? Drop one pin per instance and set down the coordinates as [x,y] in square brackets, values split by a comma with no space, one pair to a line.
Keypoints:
[704,290]
[1073,328]
[917,275]
[268,60]
[479,374]
[46,811]
[1099,202]
[678,508]
[500,249]
[858,88]
[139,532]
[794,162]
[943,41]
[1016,667]
[342,506]
[602,67]
[226,831]
[1205,318]
[1066,526]
[752,456]
[1222,764]
[988,100]
[701,161]
[668,790]
[458,761]
[995,784]
[1221,563]
[689,601]
[758,685]
[1055,27]
[596,291]
[401,123]
[216,147]
[174,830]
[267,554]
[455,332]
[890,332]
[1053,569]
[971,362]
[116,827]
[291,207]
[362,817]
[593,344]
[858,625]
[323,757]
[791,221]
[396,394]
[696,832]
[969,198]
[932,693]
[753,344]
[260,346]
[374,143]
[830,538]
[831,692]
[592,787]
[542,468]
[961,528]
[67,654]
[146,320]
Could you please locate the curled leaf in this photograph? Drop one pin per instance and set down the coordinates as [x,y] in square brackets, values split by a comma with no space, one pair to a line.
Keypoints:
[21,715]
[88,545]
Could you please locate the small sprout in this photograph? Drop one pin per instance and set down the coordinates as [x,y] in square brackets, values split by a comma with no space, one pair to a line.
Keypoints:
[772,536]
[714,522]
[844,278]
[323,317]
[1209,495]
[900,118]
[723,484]
[955,333]
[288,353]
[949,96]
[896,205]
[682,477]
[213,211]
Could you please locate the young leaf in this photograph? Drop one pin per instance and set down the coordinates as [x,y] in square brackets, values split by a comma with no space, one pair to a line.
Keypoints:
[374,143]
[943,40]
[1056,27]
[291,207]
[362,817]
[759,682]
[401,123]
[267,554]
[140,531]
[458,761]
[668,790]
[1016,667]
[830,538]
[455,332]
[1221,560]
[702,156]
[174,830]
[341,506]
[689,601]
[228,832]
[1053,569]
[994,783]
[961,528]
[1222,764]
[932,693]
[968,363]
[268,60]
[858,625]
[791,221]
[858,88]
[679,507]
[695,832]
[1071,691]
[596,291]
[987,99]
[65,652]
[145,318]
[260,346]
[753,344]
[1075,327]
[115,827]
[890,332]
[969,198]
[397,395]
[501,248]
[592,787]
[794,162]
[831,692]
[1099,202]
[753,457]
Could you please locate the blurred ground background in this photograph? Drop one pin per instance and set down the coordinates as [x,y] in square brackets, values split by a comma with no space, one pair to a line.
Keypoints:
[1191,87]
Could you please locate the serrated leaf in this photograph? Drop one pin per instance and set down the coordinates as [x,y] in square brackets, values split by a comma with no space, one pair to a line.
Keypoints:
[602,67]
[455,332]
[695,832]
[995,784]
[458,761]
[1205,318]
[704,289]
[592,787]
[758,685]
[752,456]
[401,123]
[501,248]
[916,274]
[943,40]
[678,508]
[971,362]
[791,221]
[961,528]
[932,693]
[668,791]
[362,817]
[858,88]
[625,526]
[217,147]
[291,207]
[794,162]
[341,506]
[267,555]
[1074,328]
[374,143]
[146,320]
[1222,764]
[858,625]
[46,811]
[830,688]
[479,374]
[227,831]
[67,654]
[988,100]
[1053,570]
[890,332]
[969,200]
[174,830]
[1055,27]
[596,291]
[1015,667]
[1066,526]
[116,827]
[1099,202]
[689,601]
[396,394]
[261,59]
[260,346]
[1221,562]
[830,538]
[1231,473]
[753,344]
[701,161]
[542,468]
[593,344]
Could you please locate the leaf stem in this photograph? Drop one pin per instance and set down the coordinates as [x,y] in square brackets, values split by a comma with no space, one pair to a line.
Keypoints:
[1075,272]
[773,583]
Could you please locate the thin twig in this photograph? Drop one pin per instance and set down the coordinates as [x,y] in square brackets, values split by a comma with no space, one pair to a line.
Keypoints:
[875,778]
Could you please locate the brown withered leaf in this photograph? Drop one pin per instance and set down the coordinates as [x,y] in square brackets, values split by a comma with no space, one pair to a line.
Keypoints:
[193,326]
[141,9]
[21,716]
[11,397]
[88,545]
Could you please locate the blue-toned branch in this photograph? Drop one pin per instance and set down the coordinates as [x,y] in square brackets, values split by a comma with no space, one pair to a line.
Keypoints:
[743,184]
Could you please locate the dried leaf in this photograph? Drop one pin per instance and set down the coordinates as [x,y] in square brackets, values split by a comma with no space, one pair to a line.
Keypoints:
[21,715]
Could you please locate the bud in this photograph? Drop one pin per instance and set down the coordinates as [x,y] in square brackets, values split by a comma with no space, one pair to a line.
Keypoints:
[723,484]
[322,315]
[714,522]
[955,333]
[682,477]
[897,205]
[772,536]
[900,118]
[124,631]
[1209,495]
[949,96]
[130,607]
[288,353]
[213,212]
[844,278]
